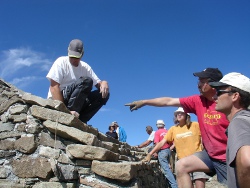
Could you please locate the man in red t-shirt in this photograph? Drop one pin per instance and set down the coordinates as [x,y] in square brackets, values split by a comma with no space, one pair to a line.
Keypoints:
[164,153]
[213,125]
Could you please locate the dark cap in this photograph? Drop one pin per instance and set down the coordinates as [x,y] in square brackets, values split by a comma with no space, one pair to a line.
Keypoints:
[213,73]
[75,48]
[149,128]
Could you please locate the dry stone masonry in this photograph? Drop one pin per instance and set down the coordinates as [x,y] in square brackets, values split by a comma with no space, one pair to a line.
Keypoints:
[43,146]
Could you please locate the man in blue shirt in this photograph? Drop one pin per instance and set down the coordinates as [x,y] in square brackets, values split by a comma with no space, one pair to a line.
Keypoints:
[122,136]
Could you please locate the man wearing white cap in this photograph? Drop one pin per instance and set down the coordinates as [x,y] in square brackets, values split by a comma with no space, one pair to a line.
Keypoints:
[233,99]
[122,136]
[212,123]
[72,80]
[164,153]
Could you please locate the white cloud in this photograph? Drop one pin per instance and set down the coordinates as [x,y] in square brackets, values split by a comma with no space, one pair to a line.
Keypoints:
[25,81]
[104,110]
[14,60]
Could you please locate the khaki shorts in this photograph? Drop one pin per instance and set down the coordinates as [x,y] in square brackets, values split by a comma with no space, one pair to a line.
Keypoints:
[199,175]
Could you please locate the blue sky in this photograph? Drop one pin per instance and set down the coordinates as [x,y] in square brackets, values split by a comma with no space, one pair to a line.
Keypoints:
[144,49]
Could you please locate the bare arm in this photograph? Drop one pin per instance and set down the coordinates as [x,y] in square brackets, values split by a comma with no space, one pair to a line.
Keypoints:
[163,101]
[55,90]
[158,146]
[243,166]
[144,144]
[57,95]
[159,102]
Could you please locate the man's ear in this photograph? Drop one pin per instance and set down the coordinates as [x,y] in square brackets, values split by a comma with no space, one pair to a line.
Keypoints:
[236,96]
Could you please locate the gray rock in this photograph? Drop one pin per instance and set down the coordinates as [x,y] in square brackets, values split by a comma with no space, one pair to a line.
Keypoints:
[3,172]
[64,172]
[18,109]
[47,139]
[71,133]
[119,171]
[54,185]
[6,126]
[61,117]
[54,104]
[28,167]
[4,106]
[49,152]
[91,153]
[7,144]
[26,144]
[18,118]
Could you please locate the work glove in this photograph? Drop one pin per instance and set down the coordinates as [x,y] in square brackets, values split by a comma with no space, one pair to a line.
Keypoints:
[135,105]
[147,158]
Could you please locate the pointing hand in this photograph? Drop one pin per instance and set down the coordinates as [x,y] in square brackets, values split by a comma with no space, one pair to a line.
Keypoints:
[135,105]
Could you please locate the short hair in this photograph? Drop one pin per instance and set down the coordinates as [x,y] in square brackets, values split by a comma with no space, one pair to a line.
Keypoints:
[149,128]
[244,97]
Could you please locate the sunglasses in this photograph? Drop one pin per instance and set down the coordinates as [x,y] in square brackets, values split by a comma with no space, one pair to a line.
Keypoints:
[220,92]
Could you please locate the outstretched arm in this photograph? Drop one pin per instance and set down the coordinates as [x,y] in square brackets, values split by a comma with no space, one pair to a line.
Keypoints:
[157,147]
[144,144]
[158,102]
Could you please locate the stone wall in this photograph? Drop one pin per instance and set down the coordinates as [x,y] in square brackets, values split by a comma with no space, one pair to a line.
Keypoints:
[43,146]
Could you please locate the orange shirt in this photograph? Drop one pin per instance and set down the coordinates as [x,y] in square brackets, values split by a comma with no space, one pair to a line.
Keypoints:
[187,141]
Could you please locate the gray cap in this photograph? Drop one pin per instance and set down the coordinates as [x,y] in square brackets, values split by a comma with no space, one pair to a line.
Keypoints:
[75,48]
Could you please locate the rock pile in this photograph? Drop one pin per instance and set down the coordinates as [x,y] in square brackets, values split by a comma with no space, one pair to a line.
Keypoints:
[43,145]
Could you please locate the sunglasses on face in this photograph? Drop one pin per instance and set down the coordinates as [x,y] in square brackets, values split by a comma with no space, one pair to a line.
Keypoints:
[219,92]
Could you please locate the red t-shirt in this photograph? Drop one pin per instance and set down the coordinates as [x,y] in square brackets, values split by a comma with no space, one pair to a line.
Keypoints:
[159,135]
[213,124]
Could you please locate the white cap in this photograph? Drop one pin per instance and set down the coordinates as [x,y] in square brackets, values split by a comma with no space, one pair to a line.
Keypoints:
[180,109]
[160,123]
[234,79]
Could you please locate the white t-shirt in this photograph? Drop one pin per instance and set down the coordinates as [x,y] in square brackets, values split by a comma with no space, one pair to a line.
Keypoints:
[152,136]
[117,131]
[65,74]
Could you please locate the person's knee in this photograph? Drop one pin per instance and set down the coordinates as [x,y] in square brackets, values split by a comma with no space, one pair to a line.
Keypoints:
[86,83]
[181,165]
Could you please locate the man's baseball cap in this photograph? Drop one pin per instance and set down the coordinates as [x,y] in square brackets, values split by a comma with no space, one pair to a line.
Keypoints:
[234,79]
[213,73]
[75,48]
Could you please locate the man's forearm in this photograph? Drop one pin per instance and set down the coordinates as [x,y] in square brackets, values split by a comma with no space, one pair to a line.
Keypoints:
[56,94]
[163,101]
[144,144]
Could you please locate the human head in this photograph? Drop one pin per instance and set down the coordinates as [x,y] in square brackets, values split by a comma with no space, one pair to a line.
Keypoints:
[111,127]
[115,124]
[75,49]
[160,123]
[149,129]
[236,86]
[206,76]
[180,115]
